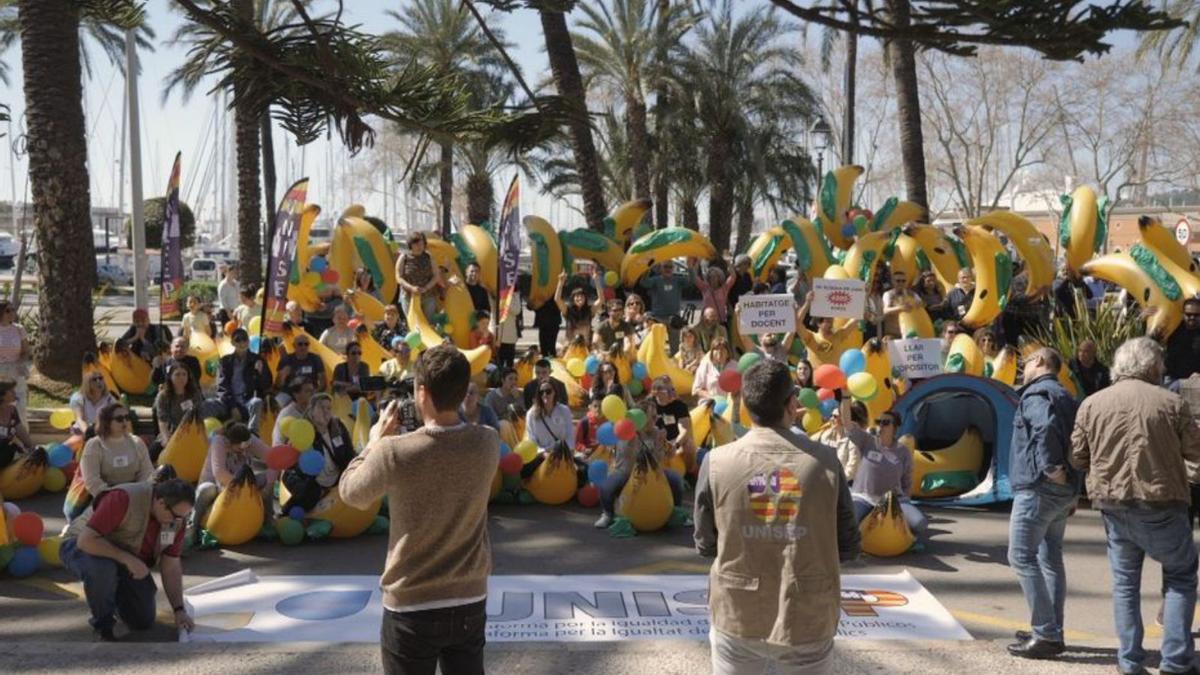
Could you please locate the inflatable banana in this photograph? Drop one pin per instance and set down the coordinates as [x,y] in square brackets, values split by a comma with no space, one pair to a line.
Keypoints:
[701,417]
[834,200]
[1147,282]
[965,356]
[865,255]
[224,346]
[4,533]
[361,431]
[836,271]
[950,471]
[547,260]
[555,480]
[510,434]
[204,349]
[1189,283]
[588,245]
[24,476]
[905,257]
[373,353]
[1004,366]
[305,295]
[237,515]
[577,396]
[915,322]
[1161,239]
[343,409]
[132,373]
[658,364]
[646,500]
[266,422]
[371,252]
[884,532]
[662,245]
[743,415]
[945,254]
[993,275]
[1083,227]
[444,254]
[879,365]
[766,250]
[812,249]
[475,245]
[620,224]
[1033,247]
[365,304]
[478,357]
[895,213]
[822,351]
[346,520]
[460,314]
[187,449]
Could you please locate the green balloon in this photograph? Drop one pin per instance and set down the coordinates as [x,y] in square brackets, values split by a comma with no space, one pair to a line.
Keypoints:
[319,529]
[809,399]
[635,388]
[413,339]
[638,417]
[290,531]
[748,359]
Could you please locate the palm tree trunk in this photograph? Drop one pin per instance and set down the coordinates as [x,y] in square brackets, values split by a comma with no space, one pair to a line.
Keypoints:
[720,192]
[639,149]
[480,198]
[848,117]
[247,122]
[689,214]
[58,178]
[745,225]
[268,171]
[561,53]
[662,177]
[446,185]
[908,109]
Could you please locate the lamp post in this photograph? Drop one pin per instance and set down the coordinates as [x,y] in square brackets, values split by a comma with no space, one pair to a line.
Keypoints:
[819,134]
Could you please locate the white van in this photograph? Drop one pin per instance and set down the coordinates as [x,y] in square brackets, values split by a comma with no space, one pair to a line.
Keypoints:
[203,269]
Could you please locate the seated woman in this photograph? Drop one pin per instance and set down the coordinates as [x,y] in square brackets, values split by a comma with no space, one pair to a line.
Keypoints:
[674,418]
[988,344]
[365,283]
[834,435]
[390,328]
[549,425]
[92,397]
[13,436]
[635,316]
[338,336]
[180,396]
[886,466]
[651,439]
[113,456]
[232,447]
[708,374]
[195,320]
[689,355]
[332,440]
[400,365]
[607,383]
[804,375]
[348,376]
[472,411]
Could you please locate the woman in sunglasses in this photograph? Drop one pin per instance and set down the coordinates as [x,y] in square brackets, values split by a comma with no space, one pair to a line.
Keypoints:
[114,456]
[92,397]
[834,435]
[332,440]
[549,425]
[885,466]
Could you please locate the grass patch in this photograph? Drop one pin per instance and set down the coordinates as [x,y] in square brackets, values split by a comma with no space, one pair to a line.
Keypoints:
[48,393]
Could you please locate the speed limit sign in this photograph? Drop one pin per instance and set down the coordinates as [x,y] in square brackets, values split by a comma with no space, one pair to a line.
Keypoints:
[1183,232]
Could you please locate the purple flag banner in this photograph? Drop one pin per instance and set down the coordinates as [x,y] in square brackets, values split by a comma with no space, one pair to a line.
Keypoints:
[169,305]
[510,247]
[283,252]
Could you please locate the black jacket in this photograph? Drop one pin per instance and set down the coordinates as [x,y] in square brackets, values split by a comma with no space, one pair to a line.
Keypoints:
[192,363]
[258,385]
[157,339]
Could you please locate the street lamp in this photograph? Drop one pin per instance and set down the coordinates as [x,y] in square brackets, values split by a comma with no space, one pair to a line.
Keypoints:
[819,134]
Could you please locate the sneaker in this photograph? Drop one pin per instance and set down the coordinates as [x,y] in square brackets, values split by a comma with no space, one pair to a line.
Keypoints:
[105,634]
[603,521]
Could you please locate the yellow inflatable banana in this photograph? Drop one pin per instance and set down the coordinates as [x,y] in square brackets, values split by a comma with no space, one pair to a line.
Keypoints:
[884,532]
[945,255]
[478,357]
[895,213]
[965,356]
[620,224]
[510,433]
[547,260]
[371,252]
[701,417]
[658,364]
[266,422]
[460,314]
[224,346]
[646,500]
[482,250]
[589,245]
[915,322]
[204,349]
[444,255]
[131,373]
[865,255]
[1161,239]
[950,471]
[577,396]
[4,540]
[1083,228]
[24,476]
[879,365]
[822,351]
[743,415]
[303,294]
[813,253]
[1189,283]
[237,515]
[834,200]
[187,449]
[343,409]
[904,258]
[766,250]
[347,521]
[361,431]
[993,275]
[662,245]
[373,353]
[1033,247]
[365,304]
[1004,366]
[837,271]
[1148,283]
[554,482]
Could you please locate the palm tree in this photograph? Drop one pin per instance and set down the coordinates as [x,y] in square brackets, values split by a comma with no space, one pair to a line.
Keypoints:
[109,38]
[559,172]
[774,168]
[443,34]
[1176,46]
[908,108]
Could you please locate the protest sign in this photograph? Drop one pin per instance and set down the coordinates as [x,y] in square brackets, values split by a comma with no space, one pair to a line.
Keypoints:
[760,314]
[839,298]
[916,358]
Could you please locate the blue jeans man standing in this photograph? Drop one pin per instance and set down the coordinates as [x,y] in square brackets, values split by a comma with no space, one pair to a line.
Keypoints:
[1045,488]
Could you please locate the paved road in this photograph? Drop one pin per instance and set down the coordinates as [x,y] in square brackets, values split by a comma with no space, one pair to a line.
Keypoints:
[963,566]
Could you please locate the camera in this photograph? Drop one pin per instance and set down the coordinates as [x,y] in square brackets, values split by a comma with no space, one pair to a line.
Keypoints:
[401,393]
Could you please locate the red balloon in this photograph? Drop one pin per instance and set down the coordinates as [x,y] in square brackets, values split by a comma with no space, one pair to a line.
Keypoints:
[588,496]
[730,381]
[646,383]
[625,429]
[829,376]
[353,323]
[510,464]
[282,457]
[27,527]
[330,276]
[824,394]
[609,293]
[586,381]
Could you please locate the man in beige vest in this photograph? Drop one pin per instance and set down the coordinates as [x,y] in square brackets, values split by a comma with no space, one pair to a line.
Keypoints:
[774,509]
[112,546]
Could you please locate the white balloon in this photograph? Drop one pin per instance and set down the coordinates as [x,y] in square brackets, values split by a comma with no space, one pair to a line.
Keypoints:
[11,511]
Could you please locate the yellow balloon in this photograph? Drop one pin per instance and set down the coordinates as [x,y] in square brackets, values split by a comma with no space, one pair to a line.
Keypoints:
[62,418]
[576,367]
[300,434]
[312,279]
[527,450]
[48,550]
[253,326]
[613,408]
[284,425]
[611,278]
[211,424]
[54,480]
[862,386]
[448,329]
[812,421]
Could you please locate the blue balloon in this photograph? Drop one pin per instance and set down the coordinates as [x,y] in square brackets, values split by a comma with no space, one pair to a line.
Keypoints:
[827,407]
[720,406]
[848,230]
[255,343]
[296,513]
[639,370]
[504,449]
[592,364]
[318,264]
[60,456]
[25,561]
[606,435]
[597,472]
[311,462]
[852,362]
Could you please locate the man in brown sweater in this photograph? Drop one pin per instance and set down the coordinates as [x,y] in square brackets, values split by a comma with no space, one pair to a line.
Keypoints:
[437,480]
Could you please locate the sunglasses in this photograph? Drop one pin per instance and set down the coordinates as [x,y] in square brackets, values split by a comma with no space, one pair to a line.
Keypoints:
[1191,315]
[120,418]
[546,392]
[883,422]
[303,343]
[98,378]
[241,341]
[354,353]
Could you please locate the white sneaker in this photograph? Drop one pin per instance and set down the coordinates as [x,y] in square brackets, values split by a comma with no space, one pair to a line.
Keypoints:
[603,521]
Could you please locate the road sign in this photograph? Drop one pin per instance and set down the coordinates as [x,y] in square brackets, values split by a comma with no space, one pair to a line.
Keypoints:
[1183,232]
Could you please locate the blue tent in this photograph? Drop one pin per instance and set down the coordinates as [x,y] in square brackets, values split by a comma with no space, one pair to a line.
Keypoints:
[938,410]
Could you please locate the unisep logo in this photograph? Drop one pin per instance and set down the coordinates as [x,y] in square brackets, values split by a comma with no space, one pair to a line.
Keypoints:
[774,496]
[839,298]
[863,603]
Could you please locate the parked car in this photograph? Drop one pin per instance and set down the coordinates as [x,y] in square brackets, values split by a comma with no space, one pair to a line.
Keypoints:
[9,246]
[114,275]
[203,269]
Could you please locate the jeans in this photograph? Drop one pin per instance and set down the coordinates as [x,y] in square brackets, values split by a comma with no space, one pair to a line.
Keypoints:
[1035,553]
[548,341]
[110,589]
[615,483]
[249,412]
[916,521]
[416,643]
[1164,535]
[733,655]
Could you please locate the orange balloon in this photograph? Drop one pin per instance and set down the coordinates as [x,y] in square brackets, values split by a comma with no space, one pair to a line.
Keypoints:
[231,326]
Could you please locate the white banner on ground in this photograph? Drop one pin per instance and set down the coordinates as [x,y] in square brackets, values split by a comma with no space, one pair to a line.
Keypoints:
[760,314]
[916,358]
[541,608]
[839,298]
